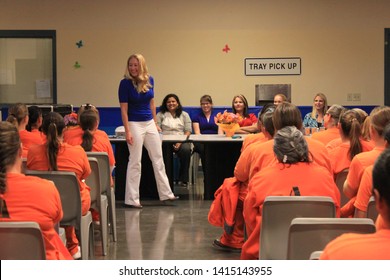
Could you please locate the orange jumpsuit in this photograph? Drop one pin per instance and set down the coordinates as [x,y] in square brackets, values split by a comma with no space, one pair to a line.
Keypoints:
[359,163]
[326,136]
[339,157]
[101,142]
[311,179]
[365,190]
[35,199]
[70,158]
[352,246]
[259,155]
[227,206]
[252,138]
[29,139]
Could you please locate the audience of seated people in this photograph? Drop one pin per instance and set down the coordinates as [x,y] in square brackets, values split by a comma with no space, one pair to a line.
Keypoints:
[365,187]
[28,198]
[294,167]
[379,118]
[57,155]
[375,246]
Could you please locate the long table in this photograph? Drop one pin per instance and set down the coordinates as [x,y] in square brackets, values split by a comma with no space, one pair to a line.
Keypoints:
[221,155]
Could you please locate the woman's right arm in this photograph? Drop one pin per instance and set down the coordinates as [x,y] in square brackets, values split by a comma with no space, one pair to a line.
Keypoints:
[196,128]
[125,119]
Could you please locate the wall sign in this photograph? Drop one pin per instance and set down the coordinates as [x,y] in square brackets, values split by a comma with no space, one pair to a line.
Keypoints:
[272,66]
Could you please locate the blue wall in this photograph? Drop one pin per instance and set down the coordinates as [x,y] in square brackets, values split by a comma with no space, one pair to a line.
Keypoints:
[110,117]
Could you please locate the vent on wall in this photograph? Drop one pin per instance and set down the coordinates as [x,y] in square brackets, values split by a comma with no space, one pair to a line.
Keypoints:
[265,92]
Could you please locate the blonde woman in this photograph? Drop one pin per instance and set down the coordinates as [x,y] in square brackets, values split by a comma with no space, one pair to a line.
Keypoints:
[138,111]
[316,117]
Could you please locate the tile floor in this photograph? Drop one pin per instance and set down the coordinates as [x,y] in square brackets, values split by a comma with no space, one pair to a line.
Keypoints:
[175,231]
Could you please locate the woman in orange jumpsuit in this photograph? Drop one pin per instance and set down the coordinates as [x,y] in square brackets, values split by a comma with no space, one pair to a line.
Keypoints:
[374,246]
[331,120]
[56,155]
[28,198]
[294,168]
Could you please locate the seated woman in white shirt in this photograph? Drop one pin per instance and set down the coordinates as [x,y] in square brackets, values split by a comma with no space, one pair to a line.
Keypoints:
[172,120]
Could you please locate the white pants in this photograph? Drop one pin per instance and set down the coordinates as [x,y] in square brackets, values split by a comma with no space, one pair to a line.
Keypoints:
[145,134]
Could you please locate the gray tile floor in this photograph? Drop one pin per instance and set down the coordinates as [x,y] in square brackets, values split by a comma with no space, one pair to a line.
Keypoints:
[175,231]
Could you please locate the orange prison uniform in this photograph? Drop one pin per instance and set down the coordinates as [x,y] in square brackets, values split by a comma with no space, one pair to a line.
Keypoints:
[226,212]
[29,139]
[40,133]
[339,156]
[353,246]
[325,136]
[365,190]
[333,144]
[35,199]
[278,180]
[70,158]
[259,155]
[101,143]
[250,120]
[358,164]
[253,138]
[234,239]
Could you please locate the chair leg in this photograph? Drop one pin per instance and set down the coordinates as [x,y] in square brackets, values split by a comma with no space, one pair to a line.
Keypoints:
[85,229]
[104,223]
[112,214]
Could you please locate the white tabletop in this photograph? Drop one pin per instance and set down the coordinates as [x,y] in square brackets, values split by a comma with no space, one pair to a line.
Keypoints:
[165,138]
[216,138]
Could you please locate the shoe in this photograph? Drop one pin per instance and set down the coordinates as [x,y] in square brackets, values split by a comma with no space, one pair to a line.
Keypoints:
[171,199]
[218,245]
[77,255]
[138,206]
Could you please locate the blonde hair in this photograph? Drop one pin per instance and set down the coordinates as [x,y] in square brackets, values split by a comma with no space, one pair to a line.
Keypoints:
[314,111]
[141,82]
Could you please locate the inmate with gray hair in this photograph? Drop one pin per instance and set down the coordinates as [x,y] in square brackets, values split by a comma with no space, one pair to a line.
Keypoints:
[290,145]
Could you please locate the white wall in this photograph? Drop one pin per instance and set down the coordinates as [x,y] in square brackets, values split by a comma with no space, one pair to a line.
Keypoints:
[340,42]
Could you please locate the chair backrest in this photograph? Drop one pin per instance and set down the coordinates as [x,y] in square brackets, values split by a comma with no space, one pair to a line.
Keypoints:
[21,241]
[68,187]
[278,212]
[104,167]
[372,213]
[313,234]
[339,180]
[93,181]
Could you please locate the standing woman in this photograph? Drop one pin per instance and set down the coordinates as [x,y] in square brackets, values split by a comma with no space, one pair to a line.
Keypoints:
[28,198]
[138,111]
[174,121]
[249,121]
[315,119]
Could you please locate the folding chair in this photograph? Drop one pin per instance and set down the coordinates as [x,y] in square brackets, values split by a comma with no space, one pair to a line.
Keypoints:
[21,241]
[312,234]
[278,212]
[68,187]
[99,200]
[105,179]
